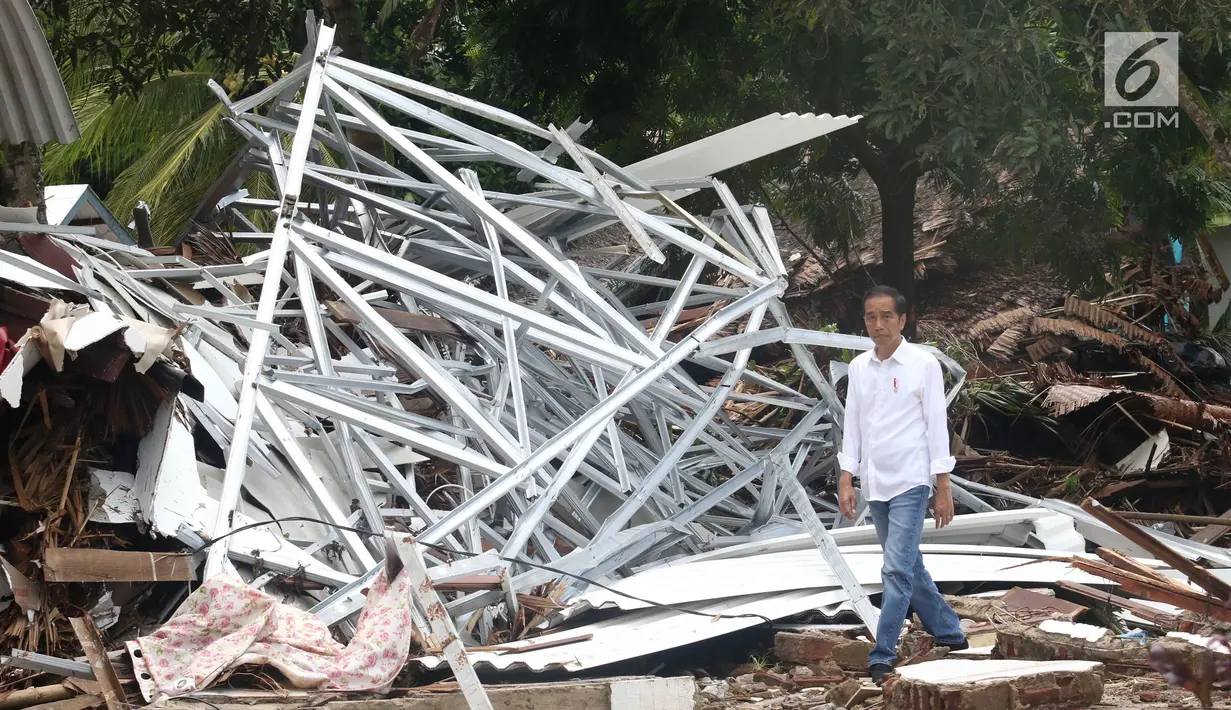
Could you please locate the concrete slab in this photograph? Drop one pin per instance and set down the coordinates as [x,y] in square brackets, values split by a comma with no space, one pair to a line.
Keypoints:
[955,684]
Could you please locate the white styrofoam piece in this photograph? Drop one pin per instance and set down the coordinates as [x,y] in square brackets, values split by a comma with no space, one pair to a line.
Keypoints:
[1085,632]
[14,374]
[1058,533]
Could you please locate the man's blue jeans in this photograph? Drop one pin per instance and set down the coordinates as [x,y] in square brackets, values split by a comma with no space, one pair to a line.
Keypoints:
[899,527]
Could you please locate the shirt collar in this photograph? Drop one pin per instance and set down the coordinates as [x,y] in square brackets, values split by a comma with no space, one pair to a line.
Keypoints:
[897,356]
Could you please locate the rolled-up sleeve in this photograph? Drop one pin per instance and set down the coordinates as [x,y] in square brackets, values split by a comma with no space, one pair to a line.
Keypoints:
[937,419]
[851,454]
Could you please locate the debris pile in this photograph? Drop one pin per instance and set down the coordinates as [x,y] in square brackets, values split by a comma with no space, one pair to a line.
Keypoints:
[410,422]
[1120,399]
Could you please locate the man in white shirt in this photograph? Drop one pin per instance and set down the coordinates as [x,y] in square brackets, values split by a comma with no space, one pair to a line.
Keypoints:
[896,440]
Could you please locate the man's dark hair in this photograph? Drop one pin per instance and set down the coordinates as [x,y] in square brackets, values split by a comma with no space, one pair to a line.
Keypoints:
[899,301]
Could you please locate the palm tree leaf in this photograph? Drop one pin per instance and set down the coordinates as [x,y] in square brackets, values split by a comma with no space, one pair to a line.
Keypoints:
[173,175]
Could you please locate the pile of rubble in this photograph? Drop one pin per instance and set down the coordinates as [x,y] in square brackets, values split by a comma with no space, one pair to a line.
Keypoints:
[410,424]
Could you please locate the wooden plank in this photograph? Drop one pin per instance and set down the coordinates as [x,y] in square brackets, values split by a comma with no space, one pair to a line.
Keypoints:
[24,698]
[1207,249]
[81,702]
[1210,534]
[1128,564]
[1041,605]
[1149,589]
[399,319]
[533,645]
[96,654]
[470,583]
[1149,613]
[1196,574]
[74,564]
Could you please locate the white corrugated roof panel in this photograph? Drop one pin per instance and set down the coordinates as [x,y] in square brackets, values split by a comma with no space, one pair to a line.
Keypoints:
[33,103]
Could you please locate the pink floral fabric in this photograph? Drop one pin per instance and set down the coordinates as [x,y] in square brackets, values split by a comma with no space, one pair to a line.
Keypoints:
[226,623]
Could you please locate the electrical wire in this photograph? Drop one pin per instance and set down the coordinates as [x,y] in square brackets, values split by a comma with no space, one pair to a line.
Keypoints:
[517,560]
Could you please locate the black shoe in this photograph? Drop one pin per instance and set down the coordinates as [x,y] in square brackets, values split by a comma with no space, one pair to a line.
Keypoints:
[879,671]
[962,646]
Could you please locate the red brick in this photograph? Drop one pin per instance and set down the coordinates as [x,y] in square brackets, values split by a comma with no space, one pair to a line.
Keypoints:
[819,648]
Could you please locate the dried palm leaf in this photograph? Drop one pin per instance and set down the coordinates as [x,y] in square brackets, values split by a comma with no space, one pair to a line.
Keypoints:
[1187,412]
[1001,321]
[1066,399]
[1103,318]
[1170,386]
[1046,346]
[1051,373]
[1004,347]
[1079,330]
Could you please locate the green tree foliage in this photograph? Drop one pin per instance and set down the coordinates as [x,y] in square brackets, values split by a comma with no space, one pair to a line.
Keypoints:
[137,73]
[129,42]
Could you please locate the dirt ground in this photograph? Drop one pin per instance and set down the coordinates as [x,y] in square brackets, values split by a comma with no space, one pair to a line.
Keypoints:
[1118,694]
[1153,694]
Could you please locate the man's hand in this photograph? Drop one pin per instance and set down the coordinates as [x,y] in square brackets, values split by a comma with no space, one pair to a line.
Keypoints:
[944,502]
[846,496]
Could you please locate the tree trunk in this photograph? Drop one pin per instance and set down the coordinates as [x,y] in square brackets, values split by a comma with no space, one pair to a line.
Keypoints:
[896,172]
[897,195]
[1198,112]
[348,36]
[21,177]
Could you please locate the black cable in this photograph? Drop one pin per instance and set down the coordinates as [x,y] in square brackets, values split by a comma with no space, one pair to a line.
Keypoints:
[439,548]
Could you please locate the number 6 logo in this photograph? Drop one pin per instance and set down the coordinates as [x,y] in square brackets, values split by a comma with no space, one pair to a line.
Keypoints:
[1133,64]
[1141,69]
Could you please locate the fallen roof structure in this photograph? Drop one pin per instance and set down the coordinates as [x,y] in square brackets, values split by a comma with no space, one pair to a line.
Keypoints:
[422,418]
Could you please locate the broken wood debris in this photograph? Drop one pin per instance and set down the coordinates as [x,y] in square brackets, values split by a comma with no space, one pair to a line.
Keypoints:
[538,427]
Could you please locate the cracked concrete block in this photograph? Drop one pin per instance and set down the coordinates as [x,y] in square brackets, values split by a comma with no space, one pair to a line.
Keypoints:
[995,685]
[1065,642]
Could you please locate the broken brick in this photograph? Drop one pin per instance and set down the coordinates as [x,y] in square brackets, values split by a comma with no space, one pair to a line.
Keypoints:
[818,648]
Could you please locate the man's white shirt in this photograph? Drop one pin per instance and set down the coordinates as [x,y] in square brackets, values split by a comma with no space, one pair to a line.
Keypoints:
[895,433]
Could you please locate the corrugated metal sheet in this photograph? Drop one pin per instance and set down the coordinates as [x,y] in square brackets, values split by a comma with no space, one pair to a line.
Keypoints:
[722,151]
[641,632]
[806,569]
[33,103]
[1003,527]
[647,631]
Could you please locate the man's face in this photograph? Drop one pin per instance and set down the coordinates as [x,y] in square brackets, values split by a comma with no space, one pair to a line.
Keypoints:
[883,323]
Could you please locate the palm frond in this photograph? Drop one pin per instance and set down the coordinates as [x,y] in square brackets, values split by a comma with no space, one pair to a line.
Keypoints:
[116,132]
[177,170]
